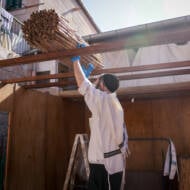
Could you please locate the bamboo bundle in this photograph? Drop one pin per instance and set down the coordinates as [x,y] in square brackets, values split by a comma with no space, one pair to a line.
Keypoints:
[47,31]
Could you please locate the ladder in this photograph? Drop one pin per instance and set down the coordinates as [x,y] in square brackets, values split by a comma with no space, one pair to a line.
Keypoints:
[77,159]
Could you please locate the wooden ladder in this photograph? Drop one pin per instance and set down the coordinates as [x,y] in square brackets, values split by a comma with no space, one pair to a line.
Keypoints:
[78,155]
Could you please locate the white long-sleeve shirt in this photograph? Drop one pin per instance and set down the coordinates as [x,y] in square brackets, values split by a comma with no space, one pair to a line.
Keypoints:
[106,126]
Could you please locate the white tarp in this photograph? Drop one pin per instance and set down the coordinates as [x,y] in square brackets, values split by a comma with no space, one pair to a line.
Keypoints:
[152,55]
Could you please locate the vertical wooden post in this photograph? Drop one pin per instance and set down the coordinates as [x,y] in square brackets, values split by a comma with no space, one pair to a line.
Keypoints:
[9,139]
[45,141]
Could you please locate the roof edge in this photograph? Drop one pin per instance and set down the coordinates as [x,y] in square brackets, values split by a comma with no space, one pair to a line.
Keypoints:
[80,3]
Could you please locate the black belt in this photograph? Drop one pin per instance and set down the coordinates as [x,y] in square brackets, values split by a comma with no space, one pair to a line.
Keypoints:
[117,151]
[112,153]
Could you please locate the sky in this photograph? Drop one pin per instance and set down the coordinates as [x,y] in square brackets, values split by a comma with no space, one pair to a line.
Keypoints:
[116,14]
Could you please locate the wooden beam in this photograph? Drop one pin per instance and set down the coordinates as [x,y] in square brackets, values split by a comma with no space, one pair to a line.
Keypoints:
[113,45]
[155,74]
[37,78]
[147,67]
[97,48]
[51,84]
[143,91]
[121,77]
[160,66]
[155,90]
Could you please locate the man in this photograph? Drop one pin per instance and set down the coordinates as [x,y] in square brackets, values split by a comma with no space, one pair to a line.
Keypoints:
[108,140]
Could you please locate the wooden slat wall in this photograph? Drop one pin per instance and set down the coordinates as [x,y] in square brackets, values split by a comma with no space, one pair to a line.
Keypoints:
[28,142]
[168,118]
[43,129]
[139,124]
[61,130]
[184,173]
[42,132]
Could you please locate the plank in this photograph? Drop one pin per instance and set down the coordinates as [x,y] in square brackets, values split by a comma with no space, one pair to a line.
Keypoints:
[93,49]
[143,91]
[116,70]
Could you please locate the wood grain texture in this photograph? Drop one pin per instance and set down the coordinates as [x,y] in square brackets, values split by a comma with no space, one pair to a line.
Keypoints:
[37,149]
[44,126]
[184,173]
[164,117]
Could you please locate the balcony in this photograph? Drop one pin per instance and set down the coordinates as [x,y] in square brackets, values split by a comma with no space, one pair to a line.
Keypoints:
[11,37]
[12,44]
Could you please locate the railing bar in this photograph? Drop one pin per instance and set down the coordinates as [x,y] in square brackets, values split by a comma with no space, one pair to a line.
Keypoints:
[150,139]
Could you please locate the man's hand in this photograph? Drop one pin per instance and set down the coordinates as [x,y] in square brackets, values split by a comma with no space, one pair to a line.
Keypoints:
[81,45]
[125,151]
[128,152]
[78,71]
[87,71]
[77,58]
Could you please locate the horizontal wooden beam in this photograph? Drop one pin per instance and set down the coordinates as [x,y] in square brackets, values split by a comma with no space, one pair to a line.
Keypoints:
[155,74]
[171,89]
[38,78]
[147,67]
[148,91]
[93,49]
[121,77]
[50,84]
[113,45]
[160,66]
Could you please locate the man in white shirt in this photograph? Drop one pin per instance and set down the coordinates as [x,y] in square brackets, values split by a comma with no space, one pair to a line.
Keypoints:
[108,140]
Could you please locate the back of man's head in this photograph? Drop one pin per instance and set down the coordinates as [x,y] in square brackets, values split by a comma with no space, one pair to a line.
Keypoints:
[111,82]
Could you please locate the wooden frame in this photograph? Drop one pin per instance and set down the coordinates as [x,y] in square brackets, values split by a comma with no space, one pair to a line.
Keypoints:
[172,65]
[96,48]
[150,91]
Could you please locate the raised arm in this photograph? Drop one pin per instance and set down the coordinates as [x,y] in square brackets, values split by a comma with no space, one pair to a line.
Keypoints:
[78,72]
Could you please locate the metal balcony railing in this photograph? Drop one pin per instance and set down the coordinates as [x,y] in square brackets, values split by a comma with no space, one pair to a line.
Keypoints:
[11,36]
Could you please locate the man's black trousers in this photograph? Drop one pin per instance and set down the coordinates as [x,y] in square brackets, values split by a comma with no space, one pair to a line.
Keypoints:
[99,178]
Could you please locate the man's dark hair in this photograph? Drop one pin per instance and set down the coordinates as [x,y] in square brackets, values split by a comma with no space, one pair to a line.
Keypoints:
[111,82]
